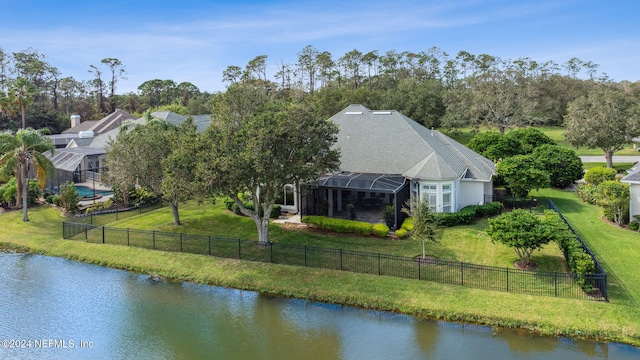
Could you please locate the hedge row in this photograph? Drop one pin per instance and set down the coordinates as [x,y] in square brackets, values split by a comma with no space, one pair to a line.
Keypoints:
[347,226]
[578,260]
[468,214]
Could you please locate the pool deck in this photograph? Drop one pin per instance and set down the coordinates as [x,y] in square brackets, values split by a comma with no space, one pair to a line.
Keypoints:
[98,186]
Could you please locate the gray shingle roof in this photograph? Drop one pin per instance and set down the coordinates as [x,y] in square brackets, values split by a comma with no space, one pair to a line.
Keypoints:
[387,142]
[201,121]
[633,176]
[109,122]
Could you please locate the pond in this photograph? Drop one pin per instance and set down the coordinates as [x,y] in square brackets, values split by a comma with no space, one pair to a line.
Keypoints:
[52,308]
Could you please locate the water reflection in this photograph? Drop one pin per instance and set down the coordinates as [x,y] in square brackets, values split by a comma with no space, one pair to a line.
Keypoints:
[125,314]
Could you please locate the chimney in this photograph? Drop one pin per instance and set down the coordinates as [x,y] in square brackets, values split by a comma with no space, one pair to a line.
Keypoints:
[75,120]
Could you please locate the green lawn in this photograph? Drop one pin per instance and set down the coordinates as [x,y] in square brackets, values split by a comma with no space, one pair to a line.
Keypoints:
[555,133]
[617,249]
[468,244]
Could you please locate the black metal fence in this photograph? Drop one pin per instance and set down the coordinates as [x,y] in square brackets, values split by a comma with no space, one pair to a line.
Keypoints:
[449,272]
[108,216]
[601,279]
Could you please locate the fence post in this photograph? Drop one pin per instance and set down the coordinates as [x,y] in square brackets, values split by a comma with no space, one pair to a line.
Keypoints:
[86,230]
[555,284]
[209,245]
[271,251]
[462,273]
[507,279]
[419,269]
[180,242]
[378,263]
[127,236]
[117,214]
[305,255]
[103,234]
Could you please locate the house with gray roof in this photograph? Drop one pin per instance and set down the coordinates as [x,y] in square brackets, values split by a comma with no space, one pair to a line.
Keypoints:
[633,179]
[80,153]
[388,158]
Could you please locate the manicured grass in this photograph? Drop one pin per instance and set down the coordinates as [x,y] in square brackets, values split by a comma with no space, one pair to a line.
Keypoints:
[617,249]
[468,244]
[617,320]
[556,133]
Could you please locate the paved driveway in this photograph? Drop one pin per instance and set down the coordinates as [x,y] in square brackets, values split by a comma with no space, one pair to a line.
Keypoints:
[616,159]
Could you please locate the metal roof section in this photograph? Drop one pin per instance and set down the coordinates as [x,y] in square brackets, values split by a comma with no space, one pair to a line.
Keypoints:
[366,182]
[387,142]
[68,159]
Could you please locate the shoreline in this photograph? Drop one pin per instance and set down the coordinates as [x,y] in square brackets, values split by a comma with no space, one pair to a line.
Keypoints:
[344,288]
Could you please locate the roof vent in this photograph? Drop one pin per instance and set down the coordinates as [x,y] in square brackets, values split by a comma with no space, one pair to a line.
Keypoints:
[382,113]
[353,113]
[85,134]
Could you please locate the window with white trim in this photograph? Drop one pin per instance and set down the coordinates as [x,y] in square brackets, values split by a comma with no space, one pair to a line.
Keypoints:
[446,198]
[430,193]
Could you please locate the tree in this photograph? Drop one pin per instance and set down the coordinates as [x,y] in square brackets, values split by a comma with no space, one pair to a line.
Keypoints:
[606,118]
[21,93]
[20,150]
[521,230]
[136,157]
[117,71]
[522,174]
[179,182]
[98,85]
[563,165]
[424,221]
[258,148]
[494,146]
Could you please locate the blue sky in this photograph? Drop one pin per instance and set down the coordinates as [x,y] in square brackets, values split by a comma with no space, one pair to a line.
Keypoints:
[196,40]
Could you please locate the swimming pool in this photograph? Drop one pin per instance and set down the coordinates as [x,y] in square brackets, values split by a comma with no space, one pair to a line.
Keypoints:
[87,191]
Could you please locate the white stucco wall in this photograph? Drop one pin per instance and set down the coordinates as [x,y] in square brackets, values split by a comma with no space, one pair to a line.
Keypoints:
[634,204]
[471,193]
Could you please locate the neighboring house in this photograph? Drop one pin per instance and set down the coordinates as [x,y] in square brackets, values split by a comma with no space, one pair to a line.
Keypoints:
[91,128]
[80,151]
[633,179]
[387,159]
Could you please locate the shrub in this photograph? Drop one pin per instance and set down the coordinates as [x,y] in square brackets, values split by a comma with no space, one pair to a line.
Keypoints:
[465,216]
[407,224]
[634,225]
[587,192]
[613,197]
[100,206]
[468,214]
[69,197]
[402,233]
[380,230]
[597,175]
[340,225]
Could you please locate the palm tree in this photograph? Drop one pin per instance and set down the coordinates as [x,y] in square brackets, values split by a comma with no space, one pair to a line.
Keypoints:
[18,151]
[21,93]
